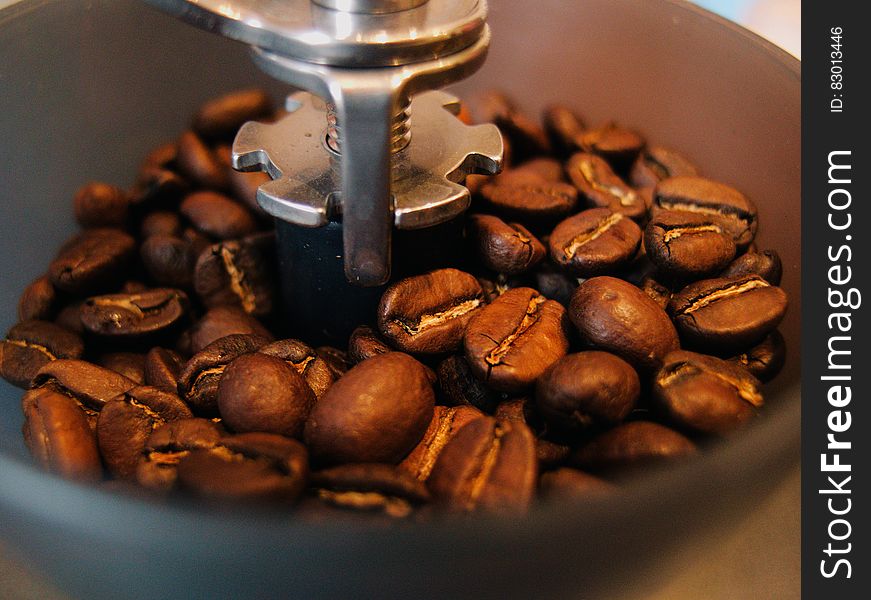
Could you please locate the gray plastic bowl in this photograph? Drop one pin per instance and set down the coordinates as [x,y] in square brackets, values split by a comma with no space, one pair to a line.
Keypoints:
[86,88]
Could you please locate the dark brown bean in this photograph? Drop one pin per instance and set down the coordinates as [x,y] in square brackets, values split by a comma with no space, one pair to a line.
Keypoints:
[633,444]
[129,364]
[489,465]
[221,117]
[70,317]
[705,394]
[656,291]
[365,343]
[161,222]
[568,483]
[686,246]
[603,188]
[168,260]
[657,163]
[377,412]
[594,242]
[445,424]
[725,315]
[59,438]
[336,360]
[525,136]
[92,262]
[305,361]
[374,488]
[428,313]
[162,368]
[735,213]
[126,422]
[238,273]
[158,187]
[262,467]
[30,345]
[764,360]
[617,145]
[222,321]
[564,127]
[135,315]
[504,247]
[461,388]
[555,284]
[37,301]
[524,410]
[217,215]
[766,264]
[258,392]
[199,164]
[616,316]
[166,445]
[531,200]
[512,341]
[99,204]
[586,389]
[200,376]
[542,168]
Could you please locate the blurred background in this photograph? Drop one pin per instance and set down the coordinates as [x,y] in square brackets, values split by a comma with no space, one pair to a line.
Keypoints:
[777,20]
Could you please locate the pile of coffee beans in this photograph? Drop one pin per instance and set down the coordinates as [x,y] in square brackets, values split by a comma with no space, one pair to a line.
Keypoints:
[613,313]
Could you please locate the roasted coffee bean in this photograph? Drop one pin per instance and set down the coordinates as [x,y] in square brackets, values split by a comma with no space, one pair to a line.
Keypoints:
[564,128]
[543,168]
[512,341]
[70,317]
[571,483]
[603,188]
[336,360]
[161,222]
[555,284]
[428,313]
[764,360]
[30,345]
[727,314]
[166,445]
[587,389]
[616,316]
[531,200]
[126,422]
[222,321]
[445,424]
[217,215]
[488,465]
[162,368]
[735,213]
[656,291]
[37,301]
[504,247]
[168,260]
[375,488]
[365,343]
[157,187]
[199,164]
[617,145]
[525,136]
[633,444]
[594,241]
[163,156]
[258,392]
[305,361]
[200,376]
[90,385]
[377,412]
[461,388]
[92,262]
[263,467]
[705,394]
[523,410]
[58,435]
[135,315]
[657,163]
[101,205]
[686,246]
[221,117]
[129,364]
[238,273]
[766,264]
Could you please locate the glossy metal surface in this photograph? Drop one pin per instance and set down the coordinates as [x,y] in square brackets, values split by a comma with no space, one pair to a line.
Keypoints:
[124,79]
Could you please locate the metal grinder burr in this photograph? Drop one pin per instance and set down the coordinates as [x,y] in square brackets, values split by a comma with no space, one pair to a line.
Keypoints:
[366,148]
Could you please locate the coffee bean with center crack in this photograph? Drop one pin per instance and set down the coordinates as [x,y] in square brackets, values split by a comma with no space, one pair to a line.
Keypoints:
[30,345]
[167,444]
[657,163]
[686,246]
[144,314]
[504,247]
[594,241]
[303,359]
[618,145]
[428,313]
[370,488]
[766,264]
[217,215]
[603,188]
[445,424]
[238,273]
[92,262]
